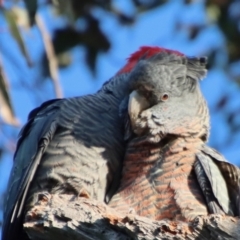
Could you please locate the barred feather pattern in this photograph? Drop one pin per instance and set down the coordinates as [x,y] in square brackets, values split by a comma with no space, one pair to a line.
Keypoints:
[223,182]
[72,146]
[159,181]
[167,172]
[77,143]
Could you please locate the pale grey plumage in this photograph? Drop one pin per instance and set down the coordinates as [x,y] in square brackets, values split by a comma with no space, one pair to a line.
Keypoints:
[222,179]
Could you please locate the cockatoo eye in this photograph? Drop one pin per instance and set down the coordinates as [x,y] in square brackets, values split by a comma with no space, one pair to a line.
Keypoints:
[164,97]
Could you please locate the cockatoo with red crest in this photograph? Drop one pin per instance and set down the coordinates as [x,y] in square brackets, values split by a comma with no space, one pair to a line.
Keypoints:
[72,145]
[77,145]
[168,170]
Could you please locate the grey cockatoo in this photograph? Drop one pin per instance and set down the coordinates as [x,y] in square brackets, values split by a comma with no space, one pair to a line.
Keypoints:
[169,171]
[73,146]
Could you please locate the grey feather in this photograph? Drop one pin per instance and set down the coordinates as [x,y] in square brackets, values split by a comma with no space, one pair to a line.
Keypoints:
[231,175]
[224,179]
[68,136]
[205,185]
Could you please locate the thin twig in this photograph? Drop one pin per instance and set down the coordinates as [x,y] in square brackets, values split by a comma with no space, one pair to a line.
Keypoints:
[51,56]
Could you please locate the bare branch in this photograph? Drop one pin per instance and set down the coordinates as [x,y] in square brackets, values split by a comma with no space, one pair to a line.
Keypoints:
[65,217]
[52,59]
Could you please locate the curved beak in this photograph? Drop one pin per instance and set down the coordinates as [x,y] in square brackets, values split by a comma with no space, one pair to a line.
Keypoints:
[136,104]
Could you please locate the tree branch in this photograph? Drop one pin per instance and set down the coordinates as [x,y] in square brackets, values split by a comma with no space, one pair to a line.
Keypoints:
[66,217]
[52,59]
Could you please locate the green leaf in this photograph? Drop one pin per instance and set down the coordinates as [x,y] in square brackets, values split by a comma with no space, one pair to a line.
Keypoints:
[21,16]
[6,109]
[93,38]
[31,6]
[63,7]
[12,21]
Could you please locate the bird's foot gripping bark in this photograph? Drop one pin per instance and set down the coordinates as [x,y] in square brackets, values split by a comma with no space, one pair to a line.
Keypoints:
[62,217]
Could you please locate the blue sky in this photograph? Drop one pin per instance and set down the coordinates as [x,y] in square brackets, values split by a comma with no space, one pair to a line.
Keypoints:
[156,27]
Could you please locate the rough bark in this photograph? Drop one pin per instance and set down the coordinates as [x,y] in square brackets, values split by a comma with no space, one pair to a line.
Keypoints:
[64,217]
